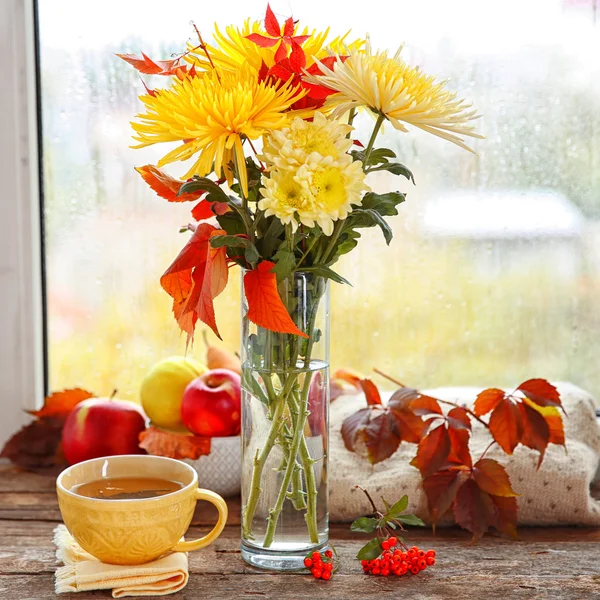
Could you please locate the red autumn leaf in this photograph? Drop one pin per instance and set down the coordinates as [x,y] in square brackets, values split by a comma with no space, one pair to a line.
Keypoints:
[352,377]
[261,40]
[460,453]
[536,432]
[205,209]
[281,52]
[487,401]
[265,307]
[288,28]
[506,518]
[553,419]
[474,509]
[371,433]
[541,392]
[425,405]
[371,392]
[433,451]
[150,67]
[36,447]
[297,58]
[148,90]
[505,425]
[281,71]
[492,478]
[197,276]
[458,418]
[173,445]
[410,425]
[381,436]
[60,404]
[440,489]
[271,23]
[165,186]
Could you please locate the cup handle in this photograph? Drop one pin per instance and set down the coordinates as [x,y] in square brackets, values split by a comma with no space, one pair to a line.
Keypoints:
[209,538]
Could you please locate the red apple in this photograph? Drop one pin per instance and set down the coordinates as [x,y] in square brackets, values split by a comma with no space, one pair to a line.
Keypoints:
[102,427]
[211,405]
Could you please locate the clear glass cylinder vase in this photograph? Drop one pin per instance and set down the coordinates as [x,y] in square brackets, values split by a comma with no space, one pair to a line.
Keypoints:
[285,427]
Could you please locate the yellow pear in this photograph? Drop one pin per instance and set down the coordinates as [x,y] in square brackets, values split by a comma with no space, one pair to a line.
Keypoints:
[162,390]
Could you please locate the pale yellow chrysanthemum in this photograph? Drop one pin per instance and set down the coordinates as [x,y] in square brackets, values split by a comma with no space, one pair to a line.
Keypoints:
[212,114]
[290,147]
[390,87]
[334,186]
[232,50]
[286,198]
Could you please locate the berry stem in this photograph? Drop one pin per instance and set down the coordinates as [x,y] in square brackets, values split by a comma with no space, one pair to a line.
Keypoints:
[370,499]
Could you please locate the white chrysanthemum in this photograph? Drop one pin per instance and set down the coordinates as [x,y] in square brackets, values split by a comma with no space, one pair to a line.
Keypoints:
[291,146]
[286,198]
[334,186]
[403,94]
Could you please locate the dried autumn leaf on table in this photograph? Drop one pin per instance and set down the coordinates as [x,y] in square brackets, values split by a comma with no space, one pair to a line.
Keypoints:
[60,404]
[37,446]
[173,445]
[265,307]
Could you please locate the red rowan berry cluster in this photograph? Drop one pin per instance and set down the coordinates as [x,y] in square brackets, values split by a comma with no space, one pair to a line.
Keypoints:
[320,565]
[395,561]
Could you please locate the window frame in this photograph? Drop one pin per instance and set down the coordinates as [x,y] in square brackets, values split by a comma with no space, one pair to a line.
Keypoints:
[22,337]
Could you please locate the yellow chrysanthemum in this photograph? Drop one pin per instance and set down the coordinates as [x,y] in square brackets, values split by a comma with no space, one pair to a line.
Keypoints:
[390,87]
[286,198]
[290,147]
[212,114]
[233,50]
[334,186]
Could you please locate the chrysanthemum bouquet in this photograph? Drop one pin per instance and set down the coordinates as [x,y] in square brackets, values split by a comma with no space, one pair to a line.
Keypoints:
[268,111]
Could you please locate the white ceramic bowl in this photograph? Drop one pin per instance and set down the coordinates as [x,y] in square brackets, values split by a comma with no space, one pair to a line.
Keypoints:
[221,470]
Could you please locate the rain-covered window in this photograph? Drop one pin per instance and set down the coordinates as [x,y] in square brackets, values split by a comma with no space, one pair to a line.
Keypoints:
[493,275]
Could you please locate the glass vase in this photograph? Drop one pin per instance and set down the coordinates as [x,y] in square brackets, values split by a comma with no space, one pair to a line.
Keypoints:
[285,421]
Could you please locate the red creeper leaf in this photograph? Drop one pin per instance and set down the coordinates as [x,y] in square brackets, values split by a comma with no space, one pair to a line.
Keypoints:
[433,451]
[492,478]
[261,40]
[410,425]
[265,307]
[297,58]
[487,401]
[271,23]
[474,510]
[506,521]
[281,53]
[536,432]
[288,27]
[506,426]
[440,489]
[541,392]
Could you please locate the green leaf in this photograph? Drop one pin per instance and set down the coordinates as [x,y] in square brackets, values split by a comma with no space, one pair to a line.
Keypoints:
[204,184]
[395,168]
[410,520]
[232,223]
[369,218]
[285,263]
[370,550]
[250,384]
[384,204]
[364,524]
[251,254]
[327,273]
[272,234]
[231,241]
[399,507]
[377,156]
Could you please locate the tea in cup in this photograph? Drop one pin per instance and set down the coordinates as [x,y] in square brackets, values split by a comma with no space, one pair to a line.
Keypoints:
[131,509]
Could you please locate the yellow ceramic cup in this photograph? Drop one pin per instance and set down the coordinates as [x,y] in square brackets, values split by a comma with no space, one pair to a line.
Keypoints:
[132,532]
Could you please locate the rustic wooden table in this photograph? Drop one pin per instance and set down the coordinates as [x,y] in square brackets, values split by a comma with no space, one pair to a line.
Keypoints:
[553,563]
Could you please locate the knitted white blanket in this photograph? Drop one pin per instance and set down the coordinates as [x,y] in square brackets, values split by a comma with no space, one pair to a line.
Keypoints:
[557,494]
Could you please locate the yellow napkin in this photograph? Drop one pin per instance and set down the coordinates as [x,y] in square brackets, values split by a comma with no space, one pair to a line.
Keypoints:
[82,572]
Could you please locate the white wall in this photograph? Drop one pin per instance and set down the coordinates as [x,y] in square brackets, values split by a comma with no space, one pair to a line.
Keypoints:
[21,370]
